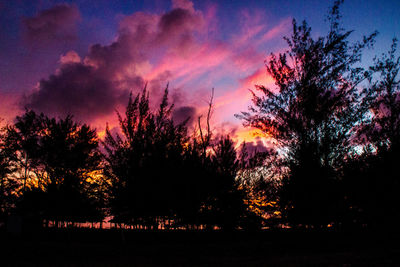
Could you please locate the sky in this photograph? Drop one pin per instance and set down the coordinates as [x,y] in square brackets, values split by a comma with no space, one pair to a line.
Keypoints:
[85,57]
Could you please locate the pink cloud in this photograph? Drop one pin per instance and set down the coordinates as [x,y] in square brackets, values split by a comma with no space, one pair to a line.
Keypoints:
[258,77]
[70,57]
[180,47]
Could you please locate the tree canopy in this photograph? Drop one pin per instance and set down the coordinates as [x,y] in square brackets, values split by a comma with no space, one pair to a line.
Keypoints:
[312,113]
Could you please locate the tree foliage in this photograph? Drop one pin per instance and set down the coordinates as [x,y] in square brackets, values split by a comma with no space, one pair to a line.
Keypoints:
[312,114]
[372,179]
[160,175]
[334,126]
[57,157]
[141,161]
[8,184]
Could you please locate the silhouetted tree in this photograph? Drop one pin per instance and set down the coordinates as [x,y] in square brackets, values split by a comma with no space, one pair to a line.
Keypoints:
[70,156]
[161,176]
[229,203]
[372,179]
[144,163]
[8,185]
[22,139]
[224,204]
[257,177]
[312,115]
[383,131]
[57,158]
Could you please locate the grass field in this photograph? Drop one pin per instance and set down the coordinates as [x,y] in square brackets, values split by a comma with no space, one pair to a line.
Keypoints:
[87,247]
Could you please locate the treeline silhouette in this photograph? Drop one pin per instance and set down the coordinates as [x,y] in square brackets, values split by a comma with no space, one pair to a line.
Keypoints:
[152,175]
[336,133]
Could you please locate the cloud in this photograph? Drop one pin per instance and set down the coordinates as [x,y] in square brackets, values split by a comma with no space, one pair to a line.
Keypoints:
[181,114]
[156,48]
[70,57]
[256,146]
[258,77]
[277,31]
[184,4]
[99,83]
[57,24]
[76,89]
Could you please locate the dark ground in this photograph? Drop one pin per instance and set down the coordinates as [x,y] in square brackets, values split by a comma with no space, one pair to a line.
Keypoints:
[87,247]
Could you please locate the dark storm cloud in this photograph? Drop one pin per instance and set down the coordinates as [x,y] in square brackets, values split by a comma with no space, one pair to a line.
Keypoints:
[181,114]
[176,22]
[96,85]
[178,26]
[52,25]
[76,89]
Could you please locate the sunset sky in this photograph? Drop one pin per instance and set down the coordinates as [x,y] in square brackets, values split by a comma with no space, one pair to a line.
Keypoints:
[85,57]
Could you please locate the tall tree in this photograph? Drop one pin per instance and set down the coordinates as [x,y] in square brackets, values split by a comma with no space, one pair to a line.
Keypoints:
[383,99]
[22,138]
[257,177]
[373,180]
[144,163]
[57,158]
[70,157]
[226,194]
[223,204]
[8,185]
[312,114]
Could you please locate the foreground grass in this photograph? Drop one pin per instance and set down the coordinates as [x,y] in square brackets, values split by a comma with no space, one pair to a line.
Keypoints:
[89,247]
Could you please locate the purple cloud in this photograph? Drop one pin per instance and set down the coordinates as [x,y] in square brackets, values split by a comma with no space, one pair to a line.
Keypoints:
[181,114]
[76,89]
[98,84]
[57,24]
